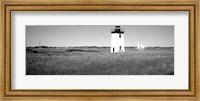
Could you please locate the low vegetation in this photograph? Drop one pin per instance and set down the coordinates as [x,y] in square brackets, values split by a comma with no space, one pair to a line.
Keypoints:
[99,61]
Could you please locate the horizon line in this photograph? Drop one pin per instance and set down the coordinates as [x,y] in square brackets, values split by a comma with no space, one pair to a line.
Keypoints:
[94,46]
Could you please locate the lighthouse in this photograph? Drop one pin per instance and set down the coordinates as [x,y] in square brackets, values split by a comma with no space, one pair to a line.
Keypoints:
[117,39]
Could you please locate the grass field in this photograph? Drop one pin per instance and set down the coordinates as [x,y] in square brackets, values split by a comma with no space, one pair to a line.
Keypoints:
[99,61]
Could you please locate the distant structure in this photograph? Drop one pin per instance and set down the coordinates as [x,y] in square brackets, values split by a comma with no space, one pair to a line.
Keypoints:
[117,39]
[140,46]
[39,43]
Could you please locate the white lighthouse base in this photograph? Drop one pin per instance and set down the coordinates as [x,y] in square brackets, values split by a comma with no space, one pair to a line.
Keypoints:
[117,43]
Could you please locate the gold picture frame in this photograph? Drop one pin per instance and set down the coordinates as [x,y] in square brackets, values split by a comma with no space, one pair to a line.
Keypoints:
[7,6]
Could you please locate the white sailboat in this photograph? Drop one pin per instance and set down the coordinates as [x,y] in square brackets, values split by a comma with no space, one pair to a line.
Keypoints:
[140,46]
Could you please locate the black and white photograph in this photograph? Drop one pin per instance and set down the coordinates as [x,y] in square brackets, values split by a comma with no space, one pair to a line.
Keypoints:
[99,49]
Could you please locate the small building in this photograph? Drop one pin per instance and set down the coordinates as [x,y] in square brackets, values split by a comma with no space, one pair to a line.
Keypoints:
[117,39]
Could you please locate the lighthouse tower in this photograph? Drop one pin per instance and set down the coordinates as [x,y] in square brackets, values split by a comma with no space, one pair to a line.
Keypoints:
[117,39]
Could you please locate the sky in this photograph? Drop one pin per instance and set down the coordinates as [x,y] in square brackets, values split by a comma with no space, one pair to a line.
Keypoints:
[98,35]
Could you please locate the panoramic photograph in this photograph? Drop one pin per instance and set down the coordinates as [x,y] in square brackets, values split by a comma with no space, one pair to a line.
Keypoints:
[99,50]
